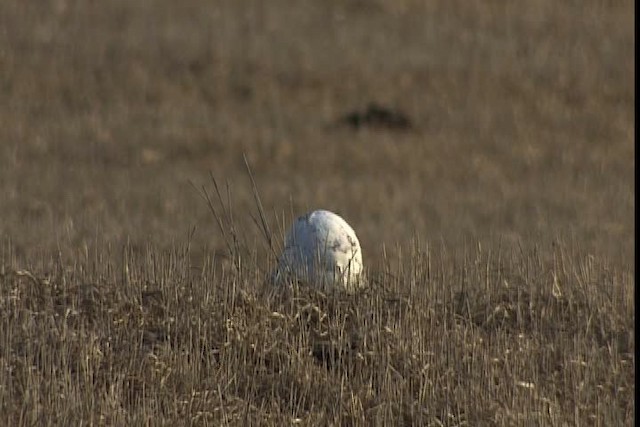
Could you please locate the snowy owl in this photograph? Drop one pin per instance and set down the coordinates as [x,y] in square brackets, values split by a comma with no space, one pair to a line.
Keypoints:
[323,250]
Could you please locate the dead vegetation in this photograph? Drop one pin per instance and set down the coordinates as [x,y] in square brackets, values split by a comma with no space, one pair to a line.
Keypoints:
[159,340]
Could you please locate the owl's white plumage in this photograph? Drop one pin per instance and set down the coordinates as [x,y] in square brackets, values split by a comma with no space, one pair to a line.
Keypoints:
[323,250]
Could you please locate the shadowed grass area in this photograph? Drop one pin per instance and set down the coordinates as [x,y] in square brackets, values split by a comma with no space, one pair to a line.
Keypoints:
[477,338]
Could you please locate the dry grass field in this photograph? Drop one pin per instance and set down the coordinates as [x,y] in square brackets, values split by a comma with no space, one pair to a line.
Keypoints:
[496,211]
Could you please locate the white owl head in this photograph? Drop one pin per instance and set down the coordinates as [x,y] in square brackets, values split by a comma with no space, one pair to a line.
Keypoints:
[321,249]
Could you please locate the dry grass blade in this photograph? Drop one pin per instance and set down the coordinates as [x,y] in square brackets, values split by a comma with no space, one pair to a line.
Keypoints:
[228,214]
[266,230]
[225,223]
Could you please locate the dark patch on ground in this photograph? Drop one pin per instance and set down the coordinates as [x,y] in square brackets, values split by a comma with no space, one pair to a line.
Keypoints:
[377,116]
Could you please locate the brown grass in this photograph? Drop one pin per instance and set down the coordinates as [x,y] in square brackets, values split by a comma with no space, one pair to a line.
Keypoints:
[497,226]
[475,338]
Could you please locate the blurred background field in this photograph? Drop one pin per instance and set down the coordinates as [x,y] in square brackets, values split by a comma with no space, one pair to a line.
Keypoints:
[522,119]
[495,212]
